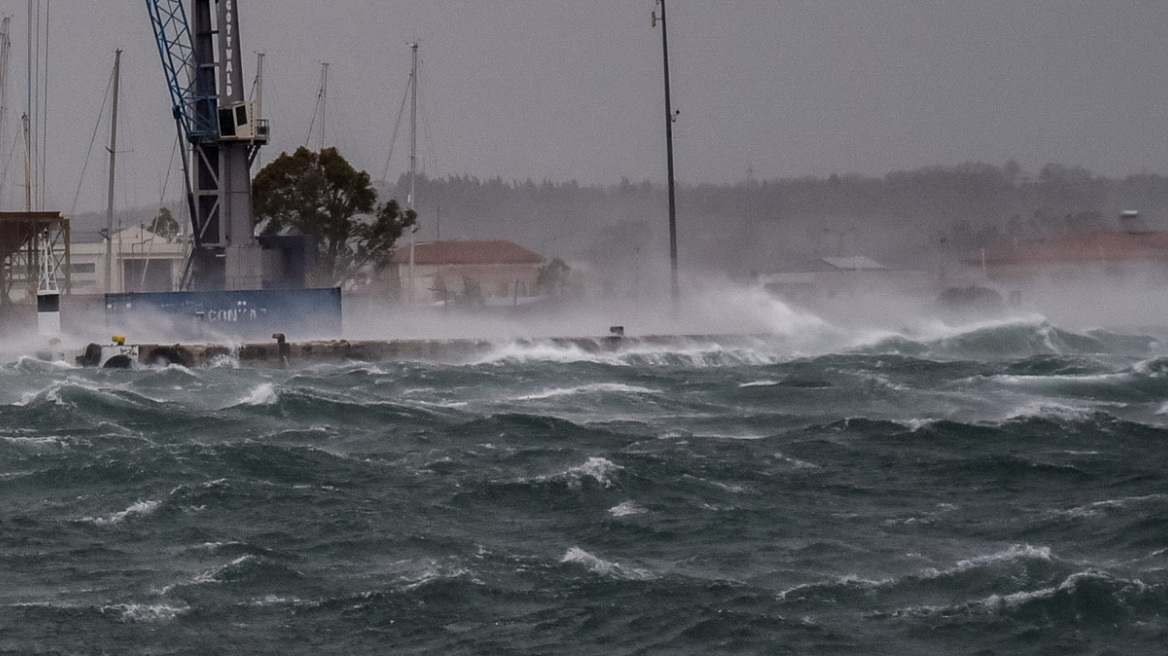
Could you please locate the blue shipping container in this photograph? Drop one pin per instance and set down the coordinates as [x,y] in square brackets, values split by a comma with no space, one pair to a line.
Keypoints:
[246,314]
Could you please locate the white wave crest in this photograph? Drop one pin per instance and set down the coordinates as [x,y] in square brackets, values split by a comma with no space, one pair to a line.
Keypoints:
[848,581]
[598,469]
[626,508]
[50,395]
[603,567]
[1013,553]
[545,351]
[436,571]
[617,388]
[1096,507]
[147,612]
[139,508]
[264,394]
[998,602]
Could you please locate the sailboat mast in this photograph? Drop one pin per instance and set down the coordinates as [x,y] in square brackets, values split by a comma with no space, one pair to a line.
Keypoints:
[413,156]
[24,123]
[413,122]
[113,150]
[323,102]
[259,86]
[5,48]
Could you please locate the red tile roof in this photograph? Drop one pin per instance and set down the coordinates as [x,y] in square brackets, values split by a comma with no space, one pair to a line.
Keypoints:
[1113,246]
[466,252]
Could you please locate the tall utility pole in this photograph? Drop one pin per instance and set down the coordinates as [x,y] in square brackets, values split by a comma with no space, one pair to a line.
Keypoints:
[670,117]
[113,151]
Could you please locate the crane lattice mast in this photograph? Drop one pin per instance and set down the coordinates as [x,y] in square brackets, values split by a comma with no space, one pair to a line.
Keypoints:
[202,62]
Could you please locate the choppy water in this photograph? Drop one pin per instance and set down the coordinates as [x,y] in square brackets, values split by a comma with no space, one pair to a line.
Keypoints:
[995,491]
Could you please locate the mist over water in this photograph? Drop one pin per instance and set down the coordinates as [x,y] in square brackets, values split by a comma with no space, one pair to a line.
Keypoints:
[888,480]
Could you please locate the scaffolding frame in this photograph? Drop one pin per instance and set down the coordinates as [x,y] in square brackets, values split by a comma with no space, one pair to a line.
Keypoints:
[20,254]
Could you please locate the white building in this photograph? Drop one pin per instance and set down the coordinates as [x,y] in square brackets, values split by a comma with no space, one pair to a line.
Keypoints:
[489,273]
[142,262]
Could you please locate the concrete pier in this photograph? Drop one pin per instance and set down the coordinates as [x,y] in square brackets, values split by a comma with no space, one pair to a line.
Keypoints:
[280,352]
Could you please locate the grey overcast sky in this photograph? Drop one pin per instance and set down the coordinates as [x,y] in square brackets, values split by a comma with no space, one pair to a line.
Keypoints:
[573,91]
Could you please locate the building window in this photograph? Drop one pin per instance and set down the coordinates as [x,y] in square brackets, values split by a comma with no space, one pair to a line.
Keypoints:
[83,267]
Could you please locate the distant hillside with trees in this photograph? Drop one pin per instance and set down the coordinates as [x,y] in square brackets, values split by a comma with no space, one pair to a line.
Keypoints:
[756,224]
[751,224]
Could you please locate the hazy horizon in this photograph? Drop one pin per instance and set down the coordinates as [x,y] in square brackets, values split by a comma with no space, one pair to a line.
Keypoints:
[574,91]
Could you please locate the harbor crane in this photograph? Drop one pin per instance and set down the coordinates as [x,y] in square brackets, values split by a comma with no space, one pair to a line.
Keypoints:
[202,63]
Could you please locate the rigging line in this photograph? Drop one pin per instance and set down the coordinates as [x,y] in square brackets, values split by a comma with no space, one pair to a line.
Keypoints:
[11,154]
[169,169]
[126,137]
[427,136]
[396,125]
[315,109]
[93,140]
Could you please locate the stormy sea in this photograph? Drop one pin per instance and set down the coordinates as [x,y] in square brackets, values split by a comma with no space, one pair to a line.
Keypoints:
[997,488]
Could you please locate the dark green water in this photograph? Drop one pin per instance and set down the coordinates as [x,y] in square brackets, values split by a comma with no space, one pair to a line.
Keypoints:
[996,491]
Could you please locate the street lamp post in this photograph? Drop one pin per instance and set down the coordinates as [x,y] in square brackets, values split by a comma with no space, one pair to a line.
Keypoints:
[670,117]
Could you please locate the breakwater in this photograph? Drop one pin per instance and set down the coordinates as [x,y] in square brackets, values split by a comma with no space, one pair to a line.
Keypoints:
[281,352]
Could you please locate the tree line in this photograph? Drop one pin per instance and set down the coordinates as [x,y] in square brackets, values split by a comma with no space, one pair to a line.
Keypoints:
[748,225]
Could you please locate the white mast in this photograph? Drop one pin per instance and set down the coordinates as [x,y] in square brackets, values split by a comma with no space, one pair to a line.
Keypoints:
[323,102]
[413,156]
[5,47]
[109,210]
[24,123]
[259,87]
[413,122]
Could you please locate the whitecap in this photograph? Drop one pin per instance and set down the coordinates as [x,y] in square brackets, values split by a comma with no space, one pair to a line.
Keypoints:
[1050,409]
[544,351]
[586,389]
[847,581]
[598,469]
[1018,598]
[626,508]
[139,508]
[276,600]
[603,567]
[147,612]
[50,394]
[435,571]
[1014,552]
[1108,504]
[264,394]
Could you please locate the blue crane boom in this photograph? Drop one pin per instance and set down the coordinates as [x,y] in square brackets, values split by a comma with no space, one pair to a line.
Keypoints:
[201,62]
[194,107]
